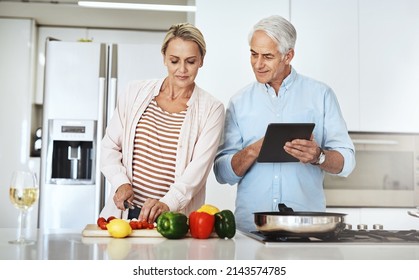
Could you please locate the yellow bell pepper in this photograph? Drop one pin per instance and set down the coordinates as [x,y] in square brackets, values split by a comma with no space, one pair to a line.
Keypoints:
[208,208]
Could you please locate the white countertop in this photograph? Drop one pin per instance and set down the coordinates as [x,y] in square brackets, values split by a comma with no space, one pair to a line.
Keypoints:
[71,245]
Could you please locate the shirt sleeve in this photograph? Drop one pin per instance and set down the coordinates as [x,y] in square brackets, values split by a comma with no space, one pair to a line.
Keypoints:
[231,143]
[336,135]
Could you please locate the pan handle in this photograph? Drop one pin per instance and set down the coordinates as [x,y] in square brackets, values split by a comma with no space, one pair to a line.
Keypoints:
[284,208]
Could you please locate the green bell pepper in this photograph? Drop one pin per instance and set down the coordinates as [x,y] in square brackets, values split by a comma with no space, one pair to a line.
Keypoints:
[225,224]
[172,225]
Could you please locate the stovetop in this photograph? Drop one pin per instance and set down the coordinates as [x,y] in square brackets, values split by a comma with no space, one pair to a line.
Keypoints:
[345,236]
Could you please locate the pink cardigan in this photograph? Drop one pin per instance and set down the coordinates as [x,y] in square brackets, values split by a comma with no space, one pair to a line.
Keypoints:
[199,139]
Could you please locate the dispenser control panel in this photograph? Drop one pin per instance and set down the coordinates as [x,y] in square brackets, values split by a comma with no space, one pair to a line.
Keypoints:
[81,130]
[73,129]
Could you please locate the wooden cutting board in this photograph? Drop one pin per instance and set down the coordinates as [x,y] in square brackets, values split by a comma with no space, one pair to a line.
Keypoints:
[93,230]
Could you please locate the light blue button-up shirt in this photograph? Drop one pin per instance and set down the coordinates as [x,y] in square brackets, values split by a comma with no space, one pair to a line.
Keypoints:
[298,185]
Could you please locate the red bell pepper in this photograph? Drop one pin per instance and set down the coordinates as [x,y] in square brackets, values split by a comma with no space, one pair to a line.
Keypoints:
[201,224]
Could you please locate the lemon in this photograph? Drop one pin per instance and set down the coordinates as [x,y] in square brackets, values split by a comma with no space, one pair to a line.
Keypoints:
[208,208]
[119,228]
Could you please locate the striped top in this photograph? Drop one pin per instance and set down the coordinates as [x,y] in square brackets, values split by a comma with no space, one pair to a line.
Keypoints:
[155,147]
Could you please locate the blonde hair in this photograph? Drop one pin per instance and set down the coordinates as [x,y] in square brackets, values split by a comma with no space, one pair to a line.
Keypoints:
[187,32]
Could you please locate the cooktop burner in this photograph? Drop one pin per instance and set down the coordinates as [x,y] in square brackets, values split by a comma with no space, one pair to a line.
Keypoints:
[346,235]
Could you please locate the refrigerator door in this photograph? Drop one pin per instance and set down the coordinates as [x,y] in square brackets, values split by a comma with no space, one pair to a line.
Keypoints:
[73,102]
[132,62]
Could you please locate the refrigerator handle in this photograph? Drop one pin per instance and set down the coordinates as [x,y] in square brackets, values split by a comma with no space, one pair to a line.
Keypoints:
[112,97]
[100,133]
[113,83]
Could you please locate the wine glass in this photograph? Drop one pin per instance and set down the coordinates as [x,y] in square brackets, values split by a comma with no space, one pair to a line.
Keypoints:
[23,194]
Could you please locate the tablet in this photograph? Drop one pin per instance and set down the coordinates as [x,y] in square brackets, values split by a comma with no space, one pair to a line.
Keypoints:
[275,137]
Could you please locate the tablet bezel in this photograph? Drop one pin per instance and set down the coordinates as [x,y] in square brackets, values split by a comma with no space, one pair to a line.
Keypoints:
[276,135]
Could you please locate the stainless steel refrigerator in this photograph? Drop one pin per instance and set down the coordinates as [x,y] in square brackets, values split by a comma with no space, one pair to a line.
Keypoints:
[81,87]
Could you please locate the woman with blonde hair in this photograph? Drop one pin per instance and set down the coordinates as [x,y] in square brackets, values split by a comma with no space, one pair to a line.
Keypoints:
[160,144]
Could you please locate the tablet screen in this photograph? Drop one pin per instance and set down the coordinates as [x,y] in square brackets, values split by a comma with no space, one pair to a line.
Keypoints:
[277,134]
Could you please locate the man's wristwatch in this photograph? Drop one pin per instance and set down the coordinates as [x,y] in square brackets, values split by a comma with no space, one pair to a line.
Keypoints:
[321,158]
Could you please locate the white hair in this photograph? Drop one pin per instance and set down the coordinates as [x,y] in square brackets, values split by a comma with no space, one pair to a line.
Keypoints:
[279,29]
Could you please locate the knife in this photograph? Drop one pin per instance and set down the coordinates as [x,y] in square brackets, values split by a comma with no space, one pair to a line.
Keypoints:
[129,205]
[134,210]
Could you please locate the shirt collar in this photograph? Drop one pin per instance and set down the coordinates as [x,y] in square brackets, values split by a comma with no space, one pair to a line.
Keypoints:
[286,83]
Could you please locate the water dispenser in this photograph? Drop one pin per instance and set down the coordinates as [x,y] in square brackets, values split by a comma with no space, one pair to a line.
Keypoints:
[71,152]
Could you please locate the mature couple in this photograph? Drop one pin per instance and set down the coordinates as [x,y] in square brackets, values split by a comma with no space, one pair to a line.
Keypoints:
[166,134]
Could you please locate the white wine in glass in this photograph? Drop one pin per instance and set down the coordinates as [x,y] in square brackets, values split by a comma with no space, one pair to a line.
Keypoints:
[23,194]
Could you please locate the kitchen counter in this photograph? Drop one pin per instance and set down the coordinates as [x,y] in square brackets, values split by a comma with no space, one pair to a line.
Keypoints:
[71,245]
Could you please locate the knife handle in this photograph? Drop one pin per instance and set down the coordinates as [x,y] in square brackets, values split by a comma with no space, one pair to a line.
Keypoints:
[133,211]
[128,205]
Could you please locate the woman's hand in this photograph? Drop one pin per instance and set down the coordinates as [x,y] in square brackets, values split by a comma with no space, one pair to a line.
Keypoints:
[124,192]
[151,209]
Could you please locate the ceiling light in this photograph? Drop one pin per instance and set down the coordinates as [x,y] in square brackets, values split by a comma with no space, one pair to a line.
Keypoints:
[135,6]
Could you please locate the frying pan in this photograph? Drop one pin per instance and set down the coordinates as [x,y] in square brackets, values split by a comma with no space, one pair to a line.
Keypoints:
[288,222]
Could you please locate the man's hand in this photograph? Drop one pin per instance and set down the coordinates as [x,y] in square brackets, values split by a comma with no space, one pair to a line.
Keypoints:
[306,151]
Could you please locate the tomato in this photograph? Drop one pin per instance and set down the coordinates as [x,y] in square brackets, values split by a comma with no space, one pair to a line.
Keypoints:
[100,220]
[110,218]
[141,225]
[102,225]
[133,224]
[144,224]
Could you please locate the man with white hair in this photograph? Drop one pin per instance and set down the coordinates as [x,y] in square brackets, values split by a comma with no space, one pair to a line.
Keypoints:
[281,95]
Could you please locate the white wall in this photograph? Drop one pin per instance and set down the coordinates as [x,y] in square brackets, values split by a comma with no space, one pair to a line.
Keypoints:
[225,25]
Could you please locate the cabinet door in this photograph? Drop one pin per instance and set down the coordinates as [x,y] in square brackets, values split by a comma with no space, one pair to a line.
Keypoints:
[389,57]
[327,49]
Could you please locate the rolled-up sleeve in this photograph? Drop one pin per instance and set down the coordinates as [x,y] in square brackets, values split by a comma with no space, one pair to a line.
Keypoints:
[349,161]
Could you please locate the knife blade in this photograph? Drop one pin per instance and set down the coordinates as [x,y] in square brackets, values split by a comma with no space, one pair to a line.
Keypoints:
[134,210]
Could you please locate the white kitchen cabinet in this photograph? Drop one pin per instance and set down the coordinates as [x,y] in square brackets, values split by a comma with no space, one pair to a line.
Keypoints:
[126,36]
[327,49]
[16,94]
[389,59]
[367,52]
